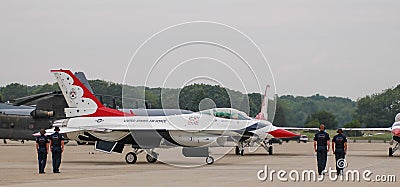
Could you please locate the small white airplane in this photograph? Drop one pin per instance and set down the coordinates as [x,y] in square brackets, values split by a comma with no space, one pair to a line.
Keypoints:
[274,132]
[88,120]
[396,135]
[394,129]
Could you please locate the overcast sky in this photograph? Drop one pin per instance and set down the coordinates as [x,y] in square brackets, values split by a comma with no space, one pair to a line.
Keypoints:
[335,48]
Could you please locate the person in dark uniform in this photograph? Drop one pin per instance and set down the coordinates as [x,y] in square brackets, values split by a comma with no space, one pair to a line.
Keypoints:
[321,146]
[57,147]
[42,148]
[339,148]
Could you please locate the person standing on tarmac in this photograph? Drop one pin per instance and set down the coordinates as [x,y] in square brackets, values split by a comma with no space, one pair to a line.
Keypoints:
[339,148]
[321,147]
[42,148]
[57,147]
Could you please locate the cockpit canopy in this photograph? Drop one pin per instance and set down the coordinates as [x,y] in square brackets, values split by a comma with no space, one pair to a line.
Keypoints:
[397,118]
[227,113]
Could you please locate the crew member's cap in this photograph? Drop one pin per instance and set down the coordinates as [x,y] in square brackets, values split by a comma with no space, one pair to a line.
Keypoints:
[56,128]
[339,130]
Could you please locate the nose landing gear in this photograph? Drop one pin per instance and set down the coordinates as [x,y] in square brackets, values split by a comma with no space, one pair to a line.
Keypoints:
[392,150]
[239,150]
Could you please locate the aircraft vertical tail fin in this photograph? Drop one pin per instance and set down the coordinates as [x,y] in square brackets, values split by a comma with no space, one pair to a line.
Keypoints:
[263,115]
[80,99]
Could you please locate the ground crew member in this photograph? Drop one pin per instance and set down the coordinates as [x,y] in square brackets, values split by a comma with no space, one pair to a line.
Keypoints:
[339,148]
[321,147]
[57,147]
[42,148]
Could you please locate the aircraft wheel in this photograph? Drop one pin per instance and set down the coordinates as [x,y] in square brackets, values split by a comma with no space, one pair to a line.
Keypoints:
[131,158]
[151,158]
[242,152]
[237,151]
[270,150]
[390,151]
[210,160]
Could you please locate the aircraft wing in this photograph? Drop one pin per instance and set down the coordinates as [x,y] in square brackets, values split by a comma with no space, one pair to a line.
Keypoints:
[300,128]
[367,129]
[344,129]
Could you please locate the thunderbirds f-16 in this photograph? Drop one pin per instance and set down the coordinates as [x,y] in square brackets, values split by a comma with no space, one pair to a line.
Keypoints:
[394,129]
[111,129]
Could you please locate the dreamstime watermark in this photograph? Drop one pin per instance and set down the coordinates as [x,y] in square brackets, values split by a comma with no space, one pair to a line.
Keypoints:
[309,175]
[183,55]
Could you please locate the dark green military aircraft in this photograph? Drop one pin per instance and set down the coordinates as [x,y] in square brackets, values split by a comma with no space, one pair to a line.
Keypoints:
[19,121]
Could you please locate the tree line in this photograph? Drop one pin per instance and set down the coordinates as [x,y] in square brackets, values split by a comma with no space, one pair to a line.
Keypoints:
[377,110]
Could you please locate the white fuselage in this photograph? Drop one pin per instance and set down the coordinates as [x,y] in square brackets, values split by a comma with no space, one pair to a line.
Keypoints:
[198,128]
[396,128]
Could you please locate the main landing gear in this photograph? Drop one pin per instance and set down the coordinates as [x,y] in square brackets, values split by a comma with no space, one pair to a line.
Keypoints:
[268,146]
[131,157]
[152,156]
[239,151]
[209,160]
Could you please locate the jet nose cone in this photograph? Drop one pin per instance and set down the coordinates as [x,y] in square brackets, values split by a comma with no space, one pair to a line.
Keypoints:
[282,133]
[396,132]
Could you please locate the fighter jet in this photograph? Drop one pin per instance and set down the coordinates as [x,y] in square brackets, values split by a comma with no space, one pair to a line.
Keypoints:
[89,120]
[394,129]
[396,134]
[272,133]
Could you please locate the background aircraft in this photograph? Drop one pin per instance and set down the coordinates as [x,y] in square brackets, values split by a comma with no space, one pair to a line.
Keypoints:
[274,134]
[394,129]
[18,121]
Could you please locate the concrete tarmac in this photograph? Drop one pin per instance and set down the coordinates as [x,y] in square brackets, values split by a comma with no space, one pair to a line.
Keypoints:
[18,167]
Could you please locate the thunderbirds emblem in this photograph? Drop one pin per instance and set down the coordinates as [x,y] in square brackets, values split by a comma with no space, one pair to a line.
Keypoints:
[72,93]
